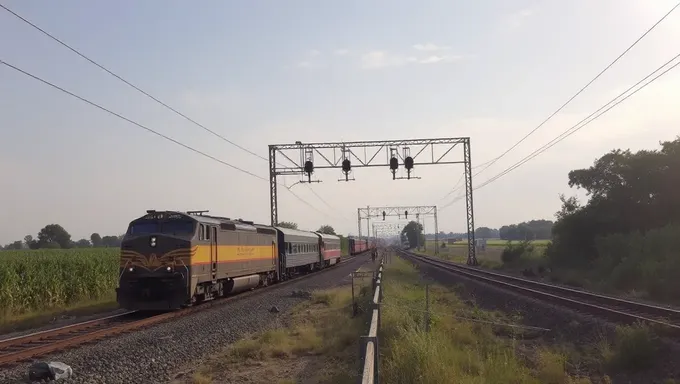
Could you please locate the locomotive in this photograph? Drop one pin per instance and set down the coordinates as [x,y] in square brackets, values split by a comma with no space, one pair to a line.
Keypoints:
[172,259]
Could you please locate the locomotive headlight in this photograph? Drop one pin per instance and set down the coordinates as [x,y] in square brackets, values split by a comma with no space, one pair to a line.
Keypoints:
[131,269]
[168,269]
[152,241]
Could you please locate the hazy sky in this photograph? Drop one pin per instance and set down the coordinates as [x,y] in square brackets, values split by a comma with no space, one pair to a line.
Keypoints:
[277,72]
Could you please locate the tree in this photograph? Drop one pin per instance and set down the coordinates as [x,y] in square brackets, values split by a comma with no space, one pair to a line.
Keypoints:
[327,229]
[15,245]
[484,233]
[414,233]
[54,233]
[287,224]
[111,241]
[82,243]
[531,230]
[628,193]
[96,240]
[30,243]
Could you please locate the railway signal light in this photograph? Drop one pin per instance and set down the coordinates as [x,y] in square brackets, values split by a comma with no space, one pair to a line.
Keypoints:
[309,169]
[408,164]
[346,168]
[394,165]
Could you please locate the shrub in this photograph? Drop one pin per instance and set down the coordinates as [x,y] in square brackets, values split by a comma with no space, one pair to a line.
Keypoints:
[513,252]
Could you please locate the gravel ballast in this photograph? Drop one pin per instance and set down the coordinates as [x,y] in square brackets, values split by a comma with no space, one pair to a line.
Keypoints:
[152,355]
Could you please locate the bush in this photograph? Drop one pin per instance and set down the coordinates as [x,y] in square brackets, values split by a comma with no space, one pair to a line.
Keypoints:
[644,262]
[513,252]
[635,348]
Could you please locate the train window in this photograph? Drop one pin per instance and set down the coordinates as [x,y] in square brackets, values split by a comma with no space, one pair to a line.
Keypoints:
[207,233]
[141,228]
[289,248]
[214,230]
[201,232]
[169,227]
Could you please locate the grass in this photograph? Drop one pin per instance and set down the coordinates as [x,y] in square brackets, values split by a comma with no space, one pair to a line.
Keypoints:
[634,348]
[35,283]
[488,258]
[36,318]
[455,349]
[490,242]
[316,342]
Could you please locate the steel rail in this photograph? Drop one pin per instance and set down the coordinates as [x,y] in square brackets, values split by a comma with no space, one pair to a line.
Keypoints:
[611,307]
[17,349]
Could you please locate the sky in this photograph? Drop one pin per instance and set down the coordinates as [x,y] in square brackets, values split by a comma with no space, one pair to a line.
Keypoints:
[262,73]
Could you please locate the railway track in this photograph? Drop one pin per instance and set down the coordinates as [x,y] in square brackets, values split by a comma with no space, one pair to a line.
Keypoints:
[613,308]
[18,349]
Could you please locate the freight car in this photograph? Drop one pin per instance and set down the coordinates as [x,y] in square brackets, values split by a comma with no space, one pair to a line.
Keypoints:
[172,259]
[357,246]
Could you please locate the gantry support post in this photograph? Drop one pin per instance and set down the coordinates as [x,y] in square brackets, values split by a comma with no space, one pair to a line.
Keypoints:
[472,248]
[273,199]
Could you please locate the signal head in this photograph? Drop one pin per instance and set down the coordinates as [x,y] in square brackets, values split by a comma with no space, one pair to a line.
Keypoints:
[346,165]
[309,167]
[394,163]
[408,163]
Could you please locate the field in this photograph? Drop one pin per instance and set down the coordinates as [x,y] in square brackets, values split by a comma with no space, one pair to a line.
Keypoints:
[462,345]
[39,281]
[489,257]
[46,282]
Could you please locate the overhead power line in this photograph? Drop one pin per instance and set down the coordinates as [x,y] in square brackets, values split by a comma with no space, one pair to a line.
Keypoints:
[129,83]
[587,120]
[118,115]
[494,160]
[147,94]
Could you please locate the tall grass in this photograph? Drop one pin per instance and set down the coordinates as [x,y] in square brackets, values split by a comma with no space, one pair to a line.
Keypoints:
[35,280]
[454,350]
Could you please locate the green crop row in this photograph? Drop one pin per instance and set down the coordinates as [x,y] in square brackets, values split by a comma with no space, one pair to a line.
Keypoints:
[36,280]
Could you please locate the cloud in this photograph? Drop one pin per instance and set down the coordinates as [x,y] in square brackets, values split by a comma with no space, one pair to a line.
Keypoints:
[441,59]
[382,59]
[431,47]
[341,52]
[517,19]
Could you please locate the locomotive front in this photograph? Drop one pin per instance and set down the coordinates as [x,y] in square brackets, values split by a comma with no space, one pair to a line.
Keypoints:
[155,262]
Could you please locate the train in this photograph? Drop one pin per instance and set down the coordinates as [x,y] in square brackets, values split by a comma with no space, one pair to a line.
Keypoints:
[357,246]
[172,259]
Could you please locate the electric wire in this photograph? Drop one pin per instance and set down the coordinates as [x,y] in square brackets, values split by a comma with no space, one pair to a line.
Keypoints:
[493,161]
[150,130]
[77,52]
[578,126]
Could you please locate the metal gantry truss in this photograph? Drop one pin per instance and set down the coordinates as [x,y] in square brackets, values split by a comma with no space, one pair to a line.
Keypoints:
[298,159]
[414,211]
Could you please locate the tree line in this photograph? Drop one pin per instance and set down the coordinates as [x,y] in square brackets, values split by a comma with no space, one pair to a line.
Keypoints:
[54,236]
[528,230]
[624,238]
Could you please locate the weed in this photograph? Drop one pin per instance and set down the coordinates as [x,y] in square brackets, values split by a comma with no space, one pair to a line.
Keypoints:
[634,348]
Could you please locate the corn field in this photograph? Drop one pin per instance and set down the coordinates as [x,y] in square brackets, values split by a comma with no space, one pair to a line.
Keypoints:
[33,280]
